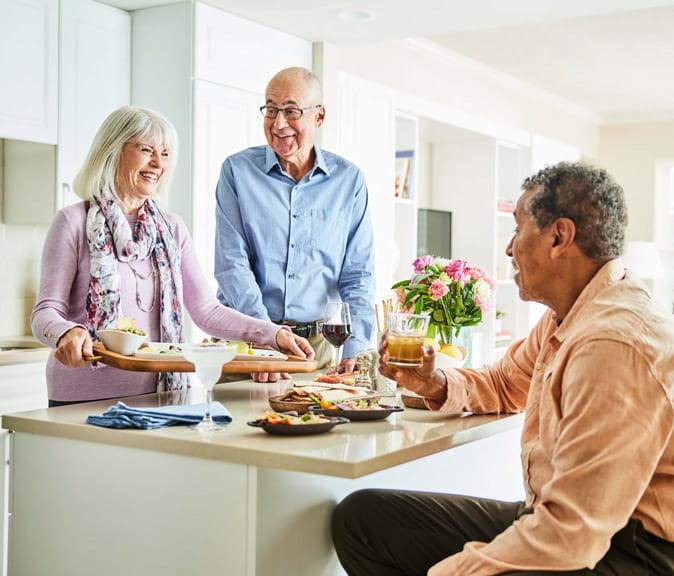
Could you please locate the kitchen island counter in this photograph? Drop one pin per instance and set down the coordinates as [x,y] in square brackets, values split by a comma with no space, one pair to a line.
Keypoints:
[240,497]
[348,451]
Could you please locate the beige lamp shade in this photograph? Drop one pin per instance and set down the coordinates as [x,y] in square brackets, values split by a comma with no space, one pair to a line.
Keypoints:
[643,259]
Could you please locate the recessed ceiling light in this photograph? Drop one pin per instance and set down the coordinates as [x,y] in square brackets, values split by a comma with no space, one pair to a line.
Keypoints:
[357,15]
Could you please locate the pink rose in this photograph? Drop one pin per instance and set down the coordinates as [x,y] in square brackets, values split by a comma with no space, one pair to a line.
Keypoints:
[437,289]
[457,270]
[421,263]
[478,273]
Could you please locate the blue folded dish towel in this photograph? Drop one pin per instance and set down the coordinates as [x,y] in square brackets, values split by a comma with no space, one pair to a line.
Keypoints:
[123,416]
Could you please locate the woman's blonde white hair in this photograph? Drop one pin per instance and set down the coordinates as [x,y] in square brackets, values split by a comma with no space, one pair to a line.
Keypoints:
[126,124]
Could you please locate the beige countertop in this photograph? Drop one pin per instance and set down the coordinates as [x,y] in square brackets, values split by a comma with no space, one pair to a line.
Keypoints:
[349,451]
[22,349]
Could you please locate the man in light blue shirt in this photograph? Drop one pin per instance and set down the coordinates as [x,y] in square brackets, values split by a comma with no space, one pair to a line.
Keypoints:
[293,225]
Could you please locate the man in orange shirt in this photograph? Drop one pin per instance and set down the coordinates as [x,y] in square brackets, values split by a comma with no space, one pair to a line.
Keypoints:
[596,380]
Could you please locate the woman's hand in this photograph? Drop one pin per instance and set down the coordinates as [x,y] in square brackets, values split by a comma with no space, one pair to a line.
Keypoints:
[288,343]
[73,347]
[425,380]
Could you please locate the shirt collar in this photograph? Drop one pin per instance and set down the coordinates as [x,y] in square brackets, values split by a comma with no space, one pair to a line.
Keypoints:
[610,273]
[271,161]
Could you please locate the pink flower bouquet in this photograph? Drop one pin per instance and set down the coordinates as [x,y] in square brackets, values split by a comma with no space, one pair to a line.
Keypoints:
[453,293]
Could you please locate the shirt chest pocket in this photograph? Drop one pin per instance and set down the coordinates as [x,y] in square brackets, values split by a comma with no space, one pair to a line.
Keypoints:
[329,230]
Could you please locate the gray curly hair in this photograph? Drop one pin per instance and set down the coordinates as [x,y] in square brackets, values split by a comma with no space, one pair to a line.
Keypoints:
[589,197]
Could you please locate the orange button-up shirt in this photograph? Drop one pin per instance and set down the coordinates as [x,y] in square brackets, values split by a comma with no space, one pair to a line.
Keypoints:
[597,441]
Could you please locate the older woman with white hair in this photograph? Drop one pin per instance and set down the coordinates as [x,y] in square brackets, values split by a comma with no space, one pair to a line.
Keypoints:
[118,254]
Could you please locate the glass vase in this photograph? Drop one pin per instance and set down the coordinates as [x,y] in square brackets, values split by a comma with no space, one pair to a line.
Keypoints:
[442,333]
[445,334]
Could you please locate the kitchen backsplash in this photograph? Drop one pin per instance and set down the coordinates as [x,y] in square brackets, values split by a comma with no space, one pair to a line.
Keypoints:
[20,250]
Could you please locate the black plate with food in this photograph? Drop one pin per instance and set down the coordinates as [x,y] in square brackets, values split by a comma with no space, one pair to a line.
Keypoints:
[358,414]
[304,429]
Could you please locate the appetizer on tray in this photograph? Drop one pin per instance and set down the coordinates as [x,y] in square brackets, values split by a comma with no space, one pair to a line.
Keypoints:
[301,396]
[360,409]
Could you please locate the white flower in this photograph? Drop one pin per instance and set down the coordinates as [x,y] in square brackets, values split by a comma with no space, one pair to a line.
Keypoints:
[483,290]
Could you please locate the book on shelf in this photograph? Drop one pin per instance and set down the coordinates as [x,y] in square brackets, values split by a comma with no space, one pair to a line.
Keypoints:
[503,338]
[505,206]
[404,184]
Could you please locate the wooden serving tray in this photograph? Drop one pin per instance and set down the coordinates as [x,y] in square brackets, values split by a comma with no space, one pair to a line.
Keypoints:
[292,364]
[413,401]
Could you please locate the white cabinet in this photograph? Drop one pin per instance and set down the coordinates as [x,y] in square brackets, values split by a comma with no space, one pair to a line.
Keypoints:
[208,80]
[28,68]
[22,387]
[240,53]
[94,80]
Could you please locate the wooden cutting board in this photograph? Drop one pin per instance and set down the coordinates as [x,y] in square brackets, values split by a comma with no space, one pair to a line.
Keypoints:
[292,365]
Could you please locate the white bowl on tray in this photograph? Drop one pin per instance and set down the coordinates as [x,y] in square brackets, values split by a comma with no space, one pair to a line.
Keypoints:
[447,362]
[120,341]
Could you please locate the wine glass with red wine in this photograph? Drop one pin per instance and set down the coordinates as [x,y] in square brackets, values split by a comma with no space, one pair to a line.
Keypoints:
[336,328]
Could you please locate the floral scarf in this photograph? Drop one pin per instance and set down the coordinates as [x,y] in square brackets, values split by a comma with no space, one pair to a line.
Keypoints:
[111,241]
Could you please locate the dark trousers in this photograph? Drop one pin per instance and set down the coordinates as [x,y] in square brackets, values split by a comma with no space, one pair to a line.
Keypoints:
[397,533]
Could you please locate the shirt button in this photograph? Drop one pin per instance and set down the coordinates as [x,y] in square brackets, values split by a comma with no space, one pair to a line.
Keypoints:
[294,215]
[292,244]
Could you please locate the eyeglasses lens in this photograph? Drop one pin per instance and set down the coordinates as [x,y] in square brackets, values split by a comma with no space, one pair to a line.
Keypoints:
[271,112]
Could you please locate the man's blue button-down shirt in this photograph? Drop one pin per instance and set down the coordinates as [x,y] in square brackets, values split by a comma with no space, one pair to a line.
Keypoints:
[284,248]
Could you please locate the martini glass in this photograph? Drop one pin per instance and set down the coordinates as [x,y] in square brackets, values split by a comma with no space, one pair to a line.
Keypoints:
[208,359]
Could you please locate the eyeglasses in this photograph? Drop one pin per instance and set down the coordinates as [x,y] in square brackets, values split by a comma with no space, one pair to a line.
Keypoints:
[290,113]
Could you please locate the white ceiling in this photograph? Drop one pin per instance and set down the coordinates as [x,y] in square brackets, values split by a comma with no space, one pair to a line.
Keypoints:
[613,57]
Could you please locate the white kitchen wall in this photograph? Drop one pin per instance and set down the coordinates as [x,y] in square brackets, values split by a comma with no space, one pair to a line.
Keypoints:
[630,152]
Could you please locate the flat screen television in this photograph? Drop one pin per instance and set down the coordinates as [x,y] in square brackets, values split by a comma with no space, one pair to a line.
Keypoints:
[434,233]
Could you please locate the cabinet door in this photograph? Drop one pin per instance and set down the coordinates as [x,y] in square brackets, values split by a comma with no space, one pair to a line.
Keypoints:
[226,121]
[28,68]
[95,80]
[240,53]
